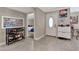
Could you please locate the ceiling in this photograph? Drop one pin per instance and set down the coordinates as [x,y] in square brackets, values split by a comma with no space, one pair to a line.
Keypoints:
[44,9]
[50,9]
[22,9]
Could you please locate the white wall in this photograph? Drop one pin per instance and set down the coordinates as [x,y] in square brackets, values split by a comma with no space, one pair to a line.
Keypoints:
[39,23]
[30,18]
[74,9]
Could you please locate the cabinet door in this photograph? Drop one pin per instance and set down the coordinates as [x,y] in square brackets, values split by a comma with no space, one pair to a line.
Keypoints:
[60,34]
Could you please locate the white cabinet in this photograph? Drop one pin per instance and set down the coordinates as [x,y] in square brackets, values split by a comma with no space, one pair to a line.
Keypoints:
[64,28]
[64,32]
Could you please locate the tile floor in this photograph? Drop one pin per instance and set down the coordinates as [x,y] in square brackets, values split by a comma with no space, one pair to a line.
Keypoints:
[23,45]
[47,43]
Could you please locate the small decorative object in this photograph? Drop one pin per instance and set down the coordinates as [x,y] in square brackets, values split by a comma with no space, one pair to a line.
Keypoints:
[63,13]
[74,19]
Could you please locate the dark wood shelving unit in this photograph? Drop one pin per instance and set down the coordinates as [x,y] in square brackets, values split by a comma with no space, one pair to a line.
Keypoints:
[14,35]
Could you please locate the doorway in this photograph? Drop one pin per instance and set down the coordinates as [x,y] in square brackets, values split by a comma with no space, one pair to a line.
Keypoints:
[30,25]
[51,24]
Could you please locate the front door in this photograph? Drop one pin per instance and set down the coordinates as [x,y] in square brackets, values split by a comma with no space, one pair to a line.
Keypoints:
[51,24]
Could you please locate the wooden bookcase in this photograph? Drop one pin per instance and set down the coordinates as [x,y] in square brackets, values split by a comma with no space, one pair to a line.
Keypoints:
[14,35]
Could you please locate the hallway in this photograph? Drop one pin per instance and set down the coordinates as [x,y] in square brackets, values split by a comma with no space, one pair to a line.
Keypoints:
[47,43]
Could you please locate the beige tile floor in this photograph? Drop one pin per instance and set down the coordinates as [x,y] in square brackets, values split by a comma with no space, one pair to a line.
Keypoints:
[53,44]
[23,45]
[47,43]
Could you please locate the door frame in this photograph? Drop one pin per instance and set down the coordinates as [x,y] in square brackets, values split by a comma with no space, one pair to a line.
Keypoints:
[56,22]
[27,25]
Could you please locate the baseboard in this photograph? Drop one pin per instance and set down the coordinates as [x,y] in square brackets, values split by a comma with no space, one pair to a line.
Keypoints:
[39,37]
[50,36]
[3,43]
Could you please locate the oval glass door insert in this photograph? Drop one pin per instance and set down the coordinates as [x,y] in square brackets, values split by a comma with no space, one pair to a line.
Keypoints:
[50,22]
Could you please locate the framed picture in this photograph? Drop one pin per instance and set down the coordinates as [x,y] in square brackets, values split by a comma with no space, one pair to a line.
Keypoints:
[12,22]
[74,19]
[63,13]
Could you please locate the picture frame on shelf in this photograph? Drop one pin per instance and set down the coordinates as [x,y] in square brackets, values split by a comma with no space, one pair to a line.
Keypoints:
[74,19]
[63,13]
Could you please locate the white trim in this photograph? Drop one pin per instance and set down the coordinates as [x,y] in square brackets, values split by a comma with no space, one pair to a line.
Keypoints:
[3,43]
[26,26]
[34,24]
[39,37]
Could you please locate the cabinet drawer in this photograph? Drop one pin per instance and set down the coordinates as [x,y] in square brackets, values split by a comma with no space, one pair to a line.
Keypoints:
[66,35]
[67,29]
[64,29]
